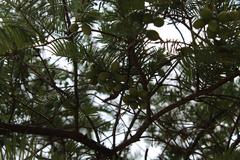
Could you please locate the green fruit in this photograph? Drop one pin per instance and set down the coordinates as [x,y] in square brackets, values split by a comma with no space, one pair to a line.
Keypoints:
[120,78]
[143,105]
[147,18]
[143,95]
[234,15]
[133,92]
[224,33]
[134,105]
[158,22]
[86,29]
[132,101]
[137,4]
[124,6]
[129,100]
[186,50]
[90,75]
[210,33]
[117,88]
[152,35]
[213,26]
[103,76]
[161,72]
[223,17]
[110,86]
[73,27]
[136,17]
[115,66]
[95,69]
[126,99]
[199,23]
[152,66]
[206,14]
[78,18]
[93,81]
[123,78]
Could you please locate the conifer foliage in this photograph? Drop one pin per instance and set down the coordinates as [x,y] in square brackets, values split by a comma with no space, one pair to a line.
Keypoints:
[89,79]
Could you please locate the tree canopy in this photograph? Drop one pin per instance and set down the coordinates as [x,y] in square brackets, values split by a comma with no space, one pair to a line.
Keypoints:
[89,79]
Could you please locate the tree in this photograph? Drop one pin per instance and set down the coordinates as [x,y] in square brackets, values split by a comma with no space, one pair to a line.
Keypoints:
[87,79]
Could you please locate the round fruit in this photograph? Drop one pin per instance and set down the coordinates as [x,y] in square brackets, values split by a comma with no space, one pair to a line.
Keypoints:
[136,17]
[158,22]
[90,75]
[147,18]
[117,88]
[95,68]
[134,105]
[199,23]
[161,72]
[152,35]
[144,95]
[120,78]
[86,29]
[224,33]
[143,105]
[103,76]
[109,86]
[115,66]
[206,14]
[210,33]
[234,15]
[128,99]
[73,27]
[186,50]
[133,92]
[222,16]
[213,26]
[93,81]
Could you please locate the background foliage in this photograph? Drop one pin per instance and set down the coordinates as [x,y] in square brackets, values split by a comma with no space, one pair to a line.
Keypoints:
[87,79]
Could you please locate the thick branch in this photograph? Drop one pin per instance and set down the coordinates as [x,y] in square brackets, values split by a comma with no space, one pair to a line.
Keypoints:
[53,132]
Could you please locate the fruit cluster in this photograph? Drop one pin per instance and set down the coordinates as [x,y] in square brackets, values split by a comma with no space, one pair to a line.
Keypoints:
[86,29]
[157,22]
[136,97]
[214,21]
[113,80]
[110,80]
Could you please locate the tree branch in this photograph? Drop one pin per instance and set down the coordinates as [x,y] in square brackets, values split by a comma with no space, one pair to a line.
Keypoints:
[53,132]
[172,106]
[236,123]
